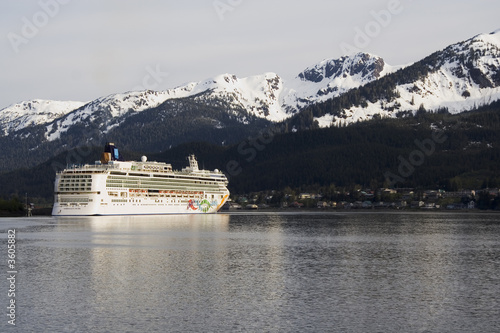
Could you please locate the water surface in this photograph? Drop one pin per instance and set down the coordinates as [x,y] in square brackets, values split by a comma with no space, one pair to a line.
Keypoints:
[256,272]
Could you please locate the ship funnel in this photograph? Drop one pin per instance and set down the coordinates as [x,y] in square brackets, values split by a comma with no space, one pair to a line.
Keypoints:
[110,153]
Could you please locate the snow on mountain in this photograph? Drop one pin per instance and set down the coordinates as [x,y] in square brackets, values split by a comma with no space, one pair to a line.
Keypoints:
[265,96]
[460,77]
[35,112]
[259,94]
[256,94]
[331,78]
[468,75]
[269,96]
[108,109]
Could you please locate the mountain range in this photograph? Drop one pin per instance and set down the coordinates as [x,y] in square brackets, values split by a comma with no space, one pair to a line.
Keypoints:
[226,109]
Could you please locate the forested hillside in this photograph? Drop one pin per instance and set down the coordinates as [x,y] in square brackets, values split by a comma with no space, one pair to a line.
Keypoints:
[429,150]
[374,153]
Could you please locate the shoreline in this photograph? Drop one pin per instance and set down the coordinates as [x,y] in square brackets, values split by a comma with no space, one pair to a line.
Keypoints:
[358,210]
[34,212]
[48,211]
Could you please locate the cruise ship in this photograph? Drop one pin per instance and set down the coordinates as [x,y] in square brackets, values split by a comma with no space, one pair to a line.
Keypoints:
[112,186]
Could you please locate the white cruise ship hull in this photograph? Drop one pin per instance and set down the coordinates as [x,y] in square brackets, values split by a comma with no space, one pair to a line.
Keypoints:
[143,206]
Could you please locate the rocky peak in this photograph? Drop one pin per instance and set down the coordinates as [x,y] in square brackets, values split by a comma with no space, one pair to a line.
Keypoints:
[364,65]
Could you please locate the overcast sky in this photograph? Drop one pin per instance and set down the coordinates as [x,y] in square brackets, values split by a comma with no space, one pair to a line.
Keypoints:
[81,50]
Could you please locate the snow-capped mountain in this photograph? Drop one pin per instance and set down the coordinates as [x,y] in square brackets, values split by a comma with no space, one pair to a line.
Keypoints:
[265,96]
[331,78]
[109,110]
[460,77]
[35,112]
[258,95]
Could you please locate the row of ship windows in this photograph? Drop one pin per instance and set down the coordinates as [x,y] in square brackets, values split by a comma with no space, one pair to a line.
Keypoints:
[140,201]
[132,184]
[75,181]
[74,199]
[76,177]
[71,189]
[162,184]
[163,195]
[118,174]
[87,200]
[165,180]
[161,190]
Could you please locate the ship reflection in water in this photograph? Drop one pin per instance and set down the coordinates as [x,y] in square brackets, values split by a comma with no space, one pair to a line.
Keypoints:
[255,271]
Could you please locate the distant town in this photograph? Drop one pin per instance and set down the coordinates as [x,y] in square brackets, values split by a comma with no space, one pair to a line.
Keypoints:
[383,198]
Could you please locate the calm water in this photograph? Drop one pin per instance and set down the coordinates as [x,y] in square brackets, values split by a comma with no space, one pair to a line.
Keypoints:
[256,272]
